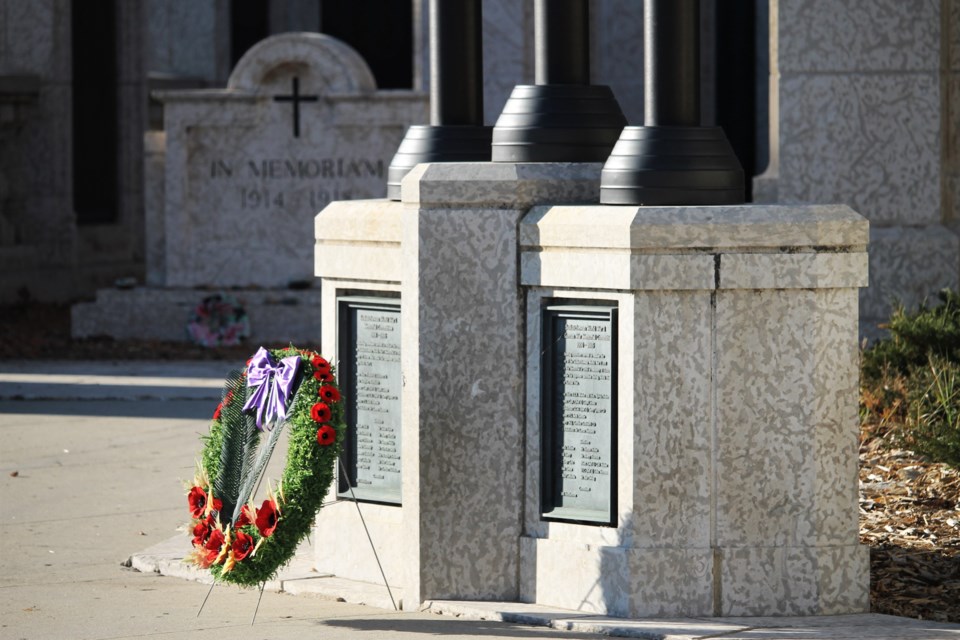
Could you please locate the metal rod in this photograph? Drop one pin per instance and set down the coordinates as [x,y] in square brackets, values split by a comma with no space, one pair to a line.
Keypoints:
[562,41]
[209,591]
[671,46]
[456,63]
[262,585]
[367,531]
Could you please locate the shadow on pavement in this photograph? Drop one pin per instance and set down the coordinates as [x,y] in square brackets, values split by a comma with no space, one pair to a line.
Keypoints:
[176,409]
[451,627]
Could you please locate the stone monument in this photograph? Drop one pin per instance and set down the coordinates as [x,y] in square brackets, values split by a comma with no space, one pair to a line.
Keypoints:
[243,172]
[616,409]
[679,437]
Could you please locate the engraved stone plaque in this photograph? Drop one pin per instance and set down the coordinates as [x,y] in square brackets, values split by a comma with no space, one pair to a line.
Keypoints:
[369,351]
[578,396]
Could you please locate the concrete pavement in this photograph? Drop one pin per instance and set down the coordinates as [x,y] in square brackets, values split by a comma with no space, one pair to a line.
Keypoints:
[92,456]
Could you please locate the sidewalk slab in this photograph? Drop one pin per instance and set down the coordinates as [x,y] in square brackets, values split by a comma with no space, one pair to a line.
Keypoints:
[869,626]
[297,578]
[112,380]
[300,578]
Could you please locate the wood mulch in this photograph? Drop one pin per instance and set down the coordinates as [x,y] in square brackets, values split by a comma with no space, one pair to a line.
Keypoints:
[909,507]
[910,518]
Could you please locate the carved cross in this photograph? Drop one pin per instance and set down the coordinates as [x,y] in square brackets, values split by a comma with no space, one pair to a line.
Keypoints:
[296,99]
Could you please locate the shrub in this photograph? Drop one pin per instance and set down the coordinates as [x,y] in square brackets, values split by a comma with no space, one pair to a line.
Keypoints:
[917,335]
[911,380]
[933,426]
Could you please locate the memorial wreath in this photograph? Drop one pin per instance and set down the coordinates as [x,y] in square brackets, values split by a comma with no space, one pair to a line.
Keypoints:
[278,389]
[219,320]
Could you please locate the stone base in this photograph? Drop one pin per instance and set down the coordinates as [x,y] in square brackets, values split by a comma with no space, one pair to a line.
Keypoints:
[617,581]
[794,581]
[277,316]
[641,582]
[340,521]
[736,412]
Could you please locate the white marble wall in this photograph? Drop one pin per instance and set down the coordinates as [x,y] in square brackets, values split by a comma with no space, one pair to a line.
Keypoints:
[186,39]
[864,120]
[39,250]
[616,56]
[43,252]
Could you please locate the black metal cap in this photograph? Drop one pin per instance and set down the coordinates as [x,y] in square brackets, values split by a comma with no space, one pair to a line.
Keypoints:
[444,143]
[672,166]
[557,123]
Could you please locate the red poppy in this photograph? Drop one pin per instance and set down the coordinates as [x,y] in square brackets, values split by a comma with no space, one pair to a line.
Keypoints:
[215,541]
[197,499]
[320,412]
[326,435]
[245,517]
[323,376]
[320,364]
[216,414]
[267,517]
[201,531]
[329,393]
[242,546]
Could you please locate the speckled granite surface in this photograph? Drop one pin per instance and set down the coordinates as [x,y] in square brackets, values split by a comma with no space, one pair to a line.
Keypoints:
[736,388]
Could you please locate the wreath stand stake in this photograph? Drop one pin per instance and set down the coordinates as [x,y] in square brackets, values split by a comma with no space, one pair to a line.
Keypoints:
[209,591]
[370,539]
[259,598]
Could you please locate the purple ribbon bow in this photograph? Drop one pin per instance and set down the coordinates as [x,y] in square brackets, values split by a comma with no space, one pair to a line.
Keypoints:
[272,386]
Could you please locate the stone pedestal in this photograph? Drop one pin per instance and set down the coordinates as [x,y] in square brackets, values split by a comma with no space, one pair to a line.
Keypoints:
[358,252]
[736,387]
[737,421]
[450,249]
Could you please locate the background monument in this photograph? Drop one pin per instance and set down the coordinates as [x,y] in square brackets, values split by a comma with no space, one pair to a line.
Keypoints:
[240,174]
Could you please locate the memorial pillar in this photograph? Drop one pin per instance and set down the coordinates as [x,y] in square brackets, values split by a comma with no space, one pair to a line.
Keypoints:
[463,370]
[561,118]
[456,132]
[671,159]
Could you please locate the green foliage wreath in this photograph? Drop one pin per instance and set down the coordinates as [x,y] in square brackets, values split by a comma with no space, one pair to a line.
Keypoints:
[236,540]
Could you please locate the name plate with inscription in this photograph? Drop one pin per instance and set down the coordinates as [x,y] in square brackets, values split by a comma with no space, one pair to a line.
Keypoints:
[578,405]
[369,351]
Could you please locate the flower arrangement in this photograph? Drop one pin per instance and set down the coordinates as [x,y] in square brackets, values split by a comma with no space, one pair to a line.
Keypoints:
[219,320]
[238,541]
